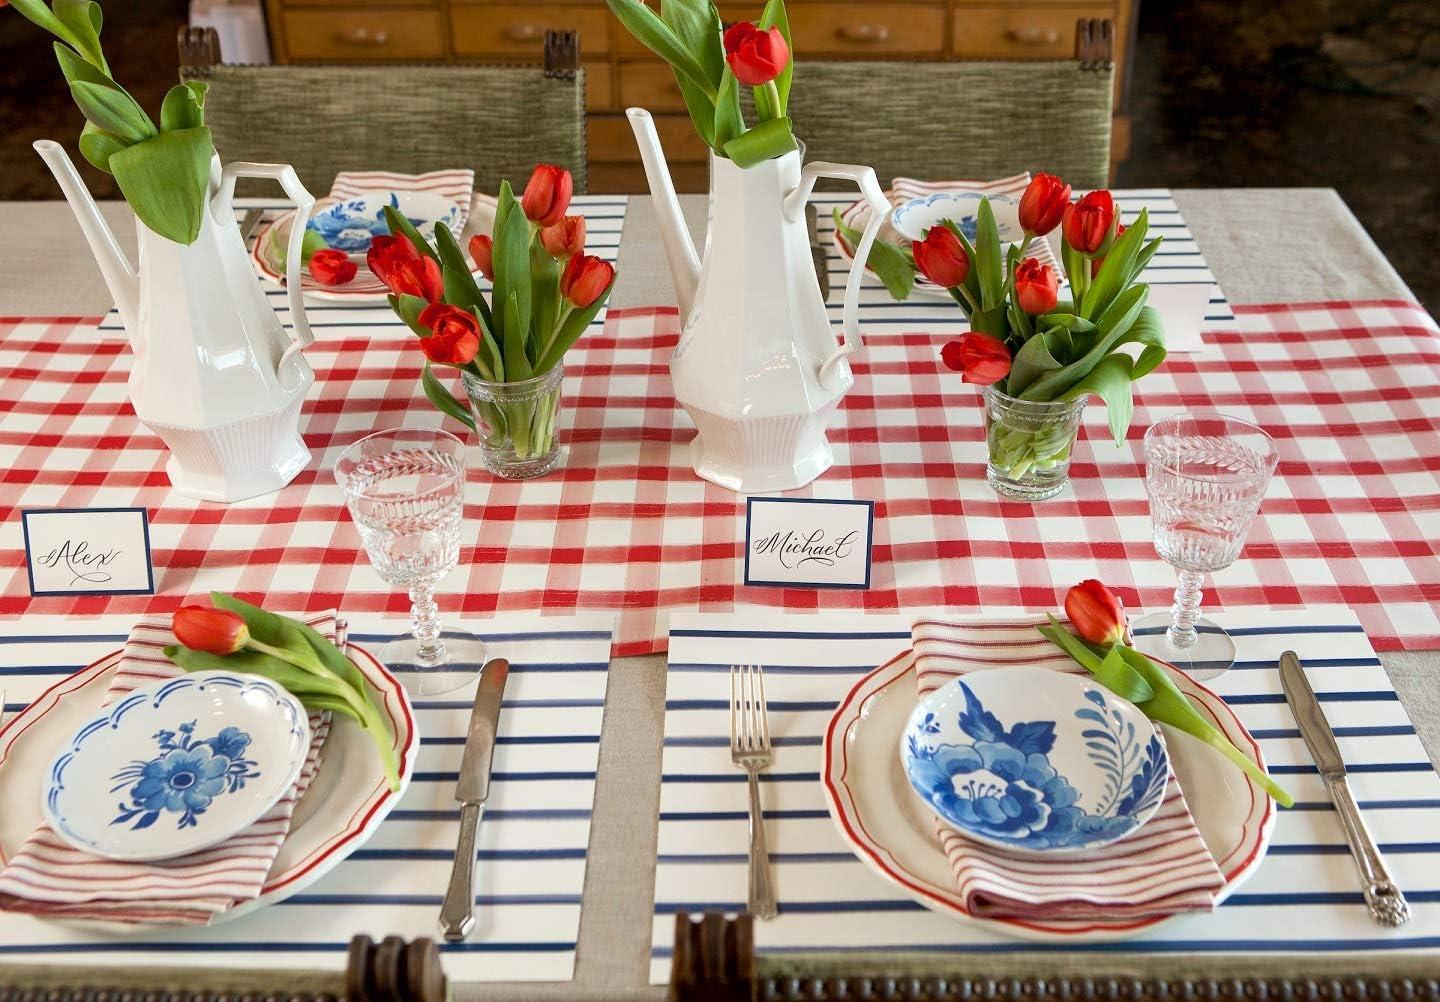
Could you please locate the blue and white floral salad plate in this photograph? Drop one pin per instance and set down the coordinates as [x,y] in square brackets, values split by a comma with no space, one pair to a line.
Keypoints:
[349,225]
[1035,761]
[911,219]
[177,766]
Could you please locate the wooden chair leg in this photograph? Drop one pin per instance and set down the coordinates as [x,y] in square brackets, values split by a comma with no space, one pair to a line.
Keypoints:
[562,54]
[1095,43]
[714,959]
[199,47]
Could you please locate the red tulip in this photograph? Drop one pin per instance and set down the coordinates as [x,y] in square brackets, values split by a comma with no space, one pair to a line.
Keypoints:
[585,279]
[332,267]
[756,57]
[215,631]
[1099,262]
[941,257]
[454,334]
[1096,613]
[566,238]
[482,252]
[387,254]
[1089,224]
[547,194]
[1043,204]
[421,278]
[980,358]
[1037,287]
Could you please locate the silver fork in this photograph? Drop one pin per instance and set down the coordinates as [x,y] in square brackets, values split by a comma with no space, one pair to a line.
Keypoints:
[750,750]
[3,715]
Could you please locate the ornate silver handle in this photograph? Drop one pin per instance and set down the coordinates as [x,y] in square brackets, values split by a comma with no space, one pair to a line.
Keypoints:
[1383,898]
[457,914]
[762,886]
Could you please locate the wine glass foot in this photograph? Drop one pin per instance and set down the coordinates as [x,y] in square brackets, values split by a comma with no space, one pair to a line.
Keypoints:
[465,656]
[1209,657]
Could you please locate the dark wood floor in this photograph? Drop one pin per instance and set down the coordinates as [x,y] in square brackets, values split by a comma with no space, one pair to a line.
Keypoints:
[1333,93]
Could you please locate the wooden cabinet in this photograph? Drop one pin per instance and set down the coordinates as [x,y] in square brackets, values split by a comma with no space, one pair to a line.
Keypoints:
[620,72]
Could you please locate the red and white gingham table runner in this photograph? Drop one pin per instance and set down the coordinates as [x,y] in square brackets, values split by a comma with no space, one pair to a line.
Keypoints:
[1351,391]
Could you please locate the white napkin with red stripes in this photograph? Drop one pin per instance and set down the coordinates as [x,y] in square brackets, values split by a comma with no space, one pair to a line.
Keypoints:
[1160,869]
[51,878]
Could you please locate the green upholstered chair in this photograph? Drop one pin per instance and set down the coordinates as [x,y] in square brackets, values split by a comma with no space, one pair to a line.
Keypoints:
[979,120]
[498,120]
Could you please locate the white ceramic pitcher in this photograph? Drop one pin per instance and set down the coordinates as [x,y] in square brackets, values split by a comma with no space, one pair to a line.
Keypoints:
[216,375]
[758,367]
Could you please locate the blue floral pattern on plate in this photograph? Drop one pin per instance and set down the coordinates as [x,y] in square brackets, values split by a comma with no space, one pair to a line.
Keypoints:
[1009,786]
[911,219]
[185,777]
[350,225]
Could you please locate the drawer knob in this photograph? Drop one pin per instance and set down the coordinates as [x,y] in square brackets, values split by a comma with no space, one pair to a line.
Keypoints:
[1033,35]
[363,36]
[524,32]
[865,34]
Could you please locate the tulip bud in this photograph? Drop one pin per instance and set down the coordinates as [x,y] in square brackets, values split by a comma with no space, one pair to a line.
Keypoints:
[333,267]
[981,358]
[1043,204]
[421,277]
[1099,262]
[1089,224]
[547,194]
[1037,287]
[941,257]
[387,254]
[755,57]
[585,279]
[482,252]
[566,238]
[214,631]
[1096,613]
[454,334]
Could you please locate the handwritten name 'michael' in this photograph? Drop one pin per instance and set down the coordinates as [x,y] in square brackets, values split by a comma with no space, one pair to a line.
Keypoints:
[83,563]
[794,549]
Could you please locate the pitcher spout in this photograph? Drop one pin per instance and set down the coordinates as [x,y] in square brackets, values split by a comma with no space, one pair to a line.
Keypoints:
[119,273]
[674,236]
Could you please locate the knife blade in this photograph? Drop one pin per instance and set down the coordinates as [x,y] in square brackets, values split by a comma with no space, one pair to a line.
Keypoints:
[1383,898]
[457,913]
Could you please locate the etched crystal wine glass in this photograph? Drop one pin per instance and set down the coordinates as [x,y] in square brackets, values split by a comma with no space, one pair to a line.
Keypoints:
[405,489]
[1206,475]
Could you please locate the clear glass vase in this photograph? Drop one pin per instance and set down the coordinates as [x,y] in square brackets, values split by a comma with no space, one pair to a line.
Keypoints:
[1029,444]
[519,423]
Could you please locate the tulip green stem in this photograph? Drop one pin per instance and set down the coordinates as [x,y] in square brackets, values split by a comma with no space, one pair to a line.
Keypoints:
[364,711]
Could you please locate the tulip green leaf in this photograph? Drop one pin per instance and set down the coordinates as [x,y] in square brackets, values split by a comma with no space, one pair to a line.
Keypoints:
[729,122]
[575,324]
[660,38]
[165,179]
[1116,272]
[98,146]
[311,244]
[113,110]
[87,43]
[971,285]
[774,16]
[512,277]
[1112,380]
[517,365]
[442,398]
[545,300]
[697,24]
[889,263]
[1032,361]
[988,260]
[765,141]
[1111,329]
[1072,323]
[181,109]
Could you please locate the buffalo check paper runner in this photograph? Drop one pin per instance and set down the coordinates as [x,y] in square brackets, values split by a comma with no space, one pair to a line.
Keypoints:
[533,842]
[1303,898]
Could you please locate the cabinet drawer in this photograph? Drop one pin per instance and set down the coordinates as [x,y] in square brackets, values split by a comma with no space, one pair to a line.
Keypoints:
[599,86]
[650,85]
[1046,32]
[612,141]
[519,29]
[364,34]
[854,29]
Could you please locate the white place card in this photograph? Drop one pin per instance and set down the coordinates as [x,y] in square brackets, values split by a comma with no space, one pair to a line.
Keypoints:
[88,551]
[808,542]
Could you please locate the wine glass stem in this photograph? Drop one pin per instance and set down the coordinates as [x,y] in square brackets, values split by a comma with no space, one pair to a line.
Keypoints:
[1185,610]
[425,626]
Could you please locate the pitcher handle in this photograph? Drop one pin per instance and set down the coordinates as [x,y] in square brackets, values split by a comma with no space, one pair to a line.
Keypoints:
[864,178]
[301,336]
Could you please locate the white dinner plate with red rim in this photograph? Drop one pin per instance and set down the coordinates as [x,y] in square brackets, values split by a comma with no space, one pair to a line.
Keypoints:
[877,815]
[344,804]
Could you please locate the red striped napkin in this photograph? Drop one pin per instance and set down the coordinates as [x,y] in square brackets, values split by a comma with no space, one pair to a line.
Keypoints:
[47,877]
[1161,869]
[902,189]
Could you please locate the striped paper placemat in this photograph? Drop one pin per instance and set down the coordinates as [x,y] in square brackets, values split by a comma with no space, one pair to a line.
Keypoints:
[1303,898]
[533,842]
[604,221]
[1181,283]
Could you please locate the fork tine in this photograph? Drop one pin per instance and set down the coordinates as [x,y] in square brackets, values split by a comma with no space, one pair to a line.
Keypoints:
[755,744]
[734,698]
[763,710]
[744,707]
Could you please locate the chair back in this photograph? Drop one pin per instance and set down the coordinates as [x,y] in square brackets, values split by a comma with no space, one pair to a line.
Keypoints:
[323,119]
[939,121]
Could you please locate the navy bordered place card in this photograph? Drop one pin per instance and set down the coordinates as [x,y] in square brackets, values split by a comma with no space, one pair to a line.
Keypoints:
[808,542]
[88,551]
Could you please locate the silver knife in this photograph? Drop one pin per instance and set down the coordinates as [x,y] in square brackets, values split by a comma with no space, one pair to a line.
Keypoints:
[457,914]
[1386,903]
[250,223]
